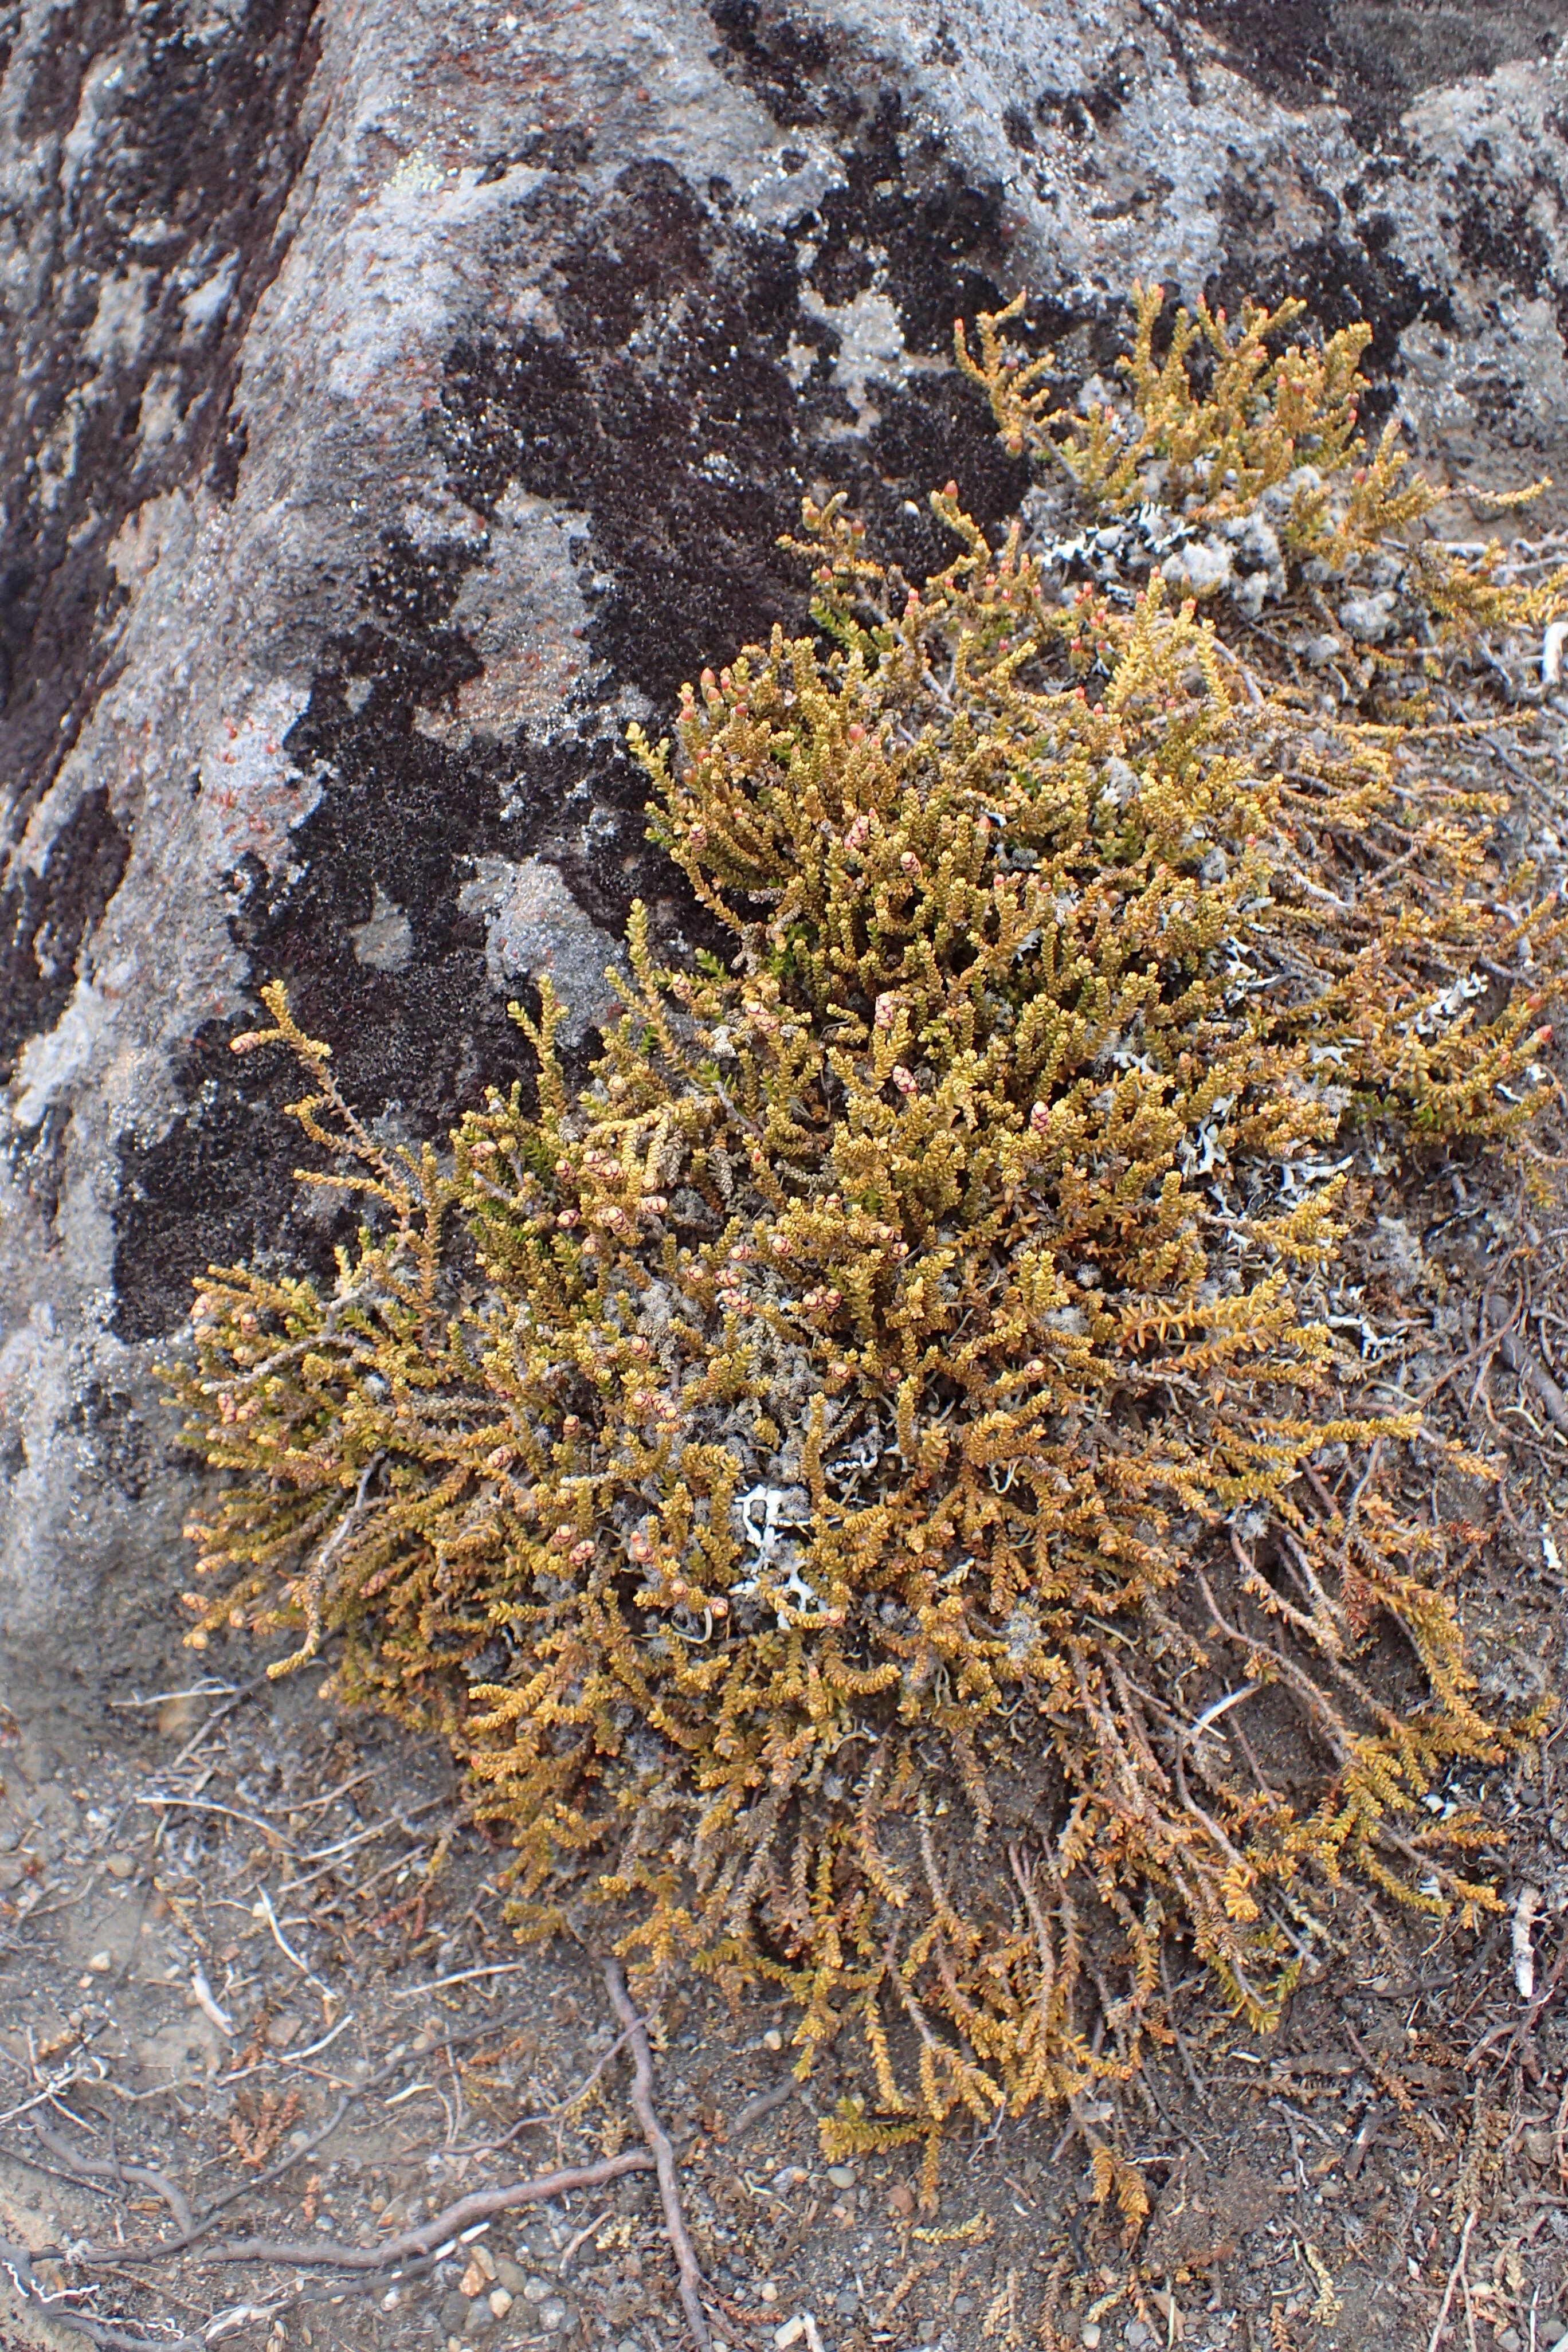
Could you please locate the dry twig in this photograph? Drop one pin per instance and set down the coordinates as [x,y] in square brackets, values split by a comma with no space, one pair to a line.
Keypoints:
[432,2236]
[17,2265]
[112,2167]
[1454,2276]
[664,2154]
[756,2109]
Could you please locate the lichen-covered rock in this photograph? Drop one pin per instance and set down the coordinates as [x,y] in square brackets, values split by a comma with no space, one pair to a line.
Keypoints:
[396,401]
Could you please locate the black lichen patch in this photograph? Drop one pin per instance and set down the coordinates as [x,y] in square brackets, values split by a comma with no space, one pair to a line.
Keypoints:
[1499,233]
[218,1183]
[117,382]
[401,818]
[1350,272]
[803,72]
[45,916]
[1095,107]
[666,408]
[663,410]
[1373,60]
[939,237]
[108,1418]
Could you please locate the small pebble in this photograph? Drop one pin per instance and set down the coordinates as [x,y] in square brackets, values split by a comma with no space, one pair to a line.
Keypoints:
[100,1964]
[1139,2334]
[501,2302]
[552,2318]
[626,2344]
[534,2290]
[962,2303]
[122,1865]
[1510,2340]
[1090,2336]
[846,2302]
[511,2277]
[768,2291]
[772,2039]
[841,2175]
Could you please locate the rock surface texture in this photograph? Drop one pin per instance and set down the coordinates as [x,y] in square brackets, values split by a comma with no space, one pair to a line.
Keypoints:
[396,401]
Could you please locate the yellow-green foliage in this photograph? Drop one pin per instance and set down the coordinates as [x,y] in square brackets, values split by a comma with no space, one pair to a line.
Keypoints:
[1229,427]
[1261,415]
[853,1443]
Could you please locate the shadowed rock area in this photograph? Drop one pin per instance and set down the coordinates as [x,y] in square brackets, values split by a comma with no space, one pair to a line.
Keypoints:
[396,401]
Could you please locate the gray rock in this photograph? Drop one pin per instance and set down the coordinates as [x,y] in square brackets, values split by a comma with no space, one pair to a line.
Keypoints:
[536,928]
[352,512]
[1369,618]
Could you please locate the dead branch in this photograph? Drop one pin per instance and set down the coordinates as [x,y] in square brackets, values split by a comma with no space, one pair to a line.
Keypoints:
[413,2244]
[112,2167]
[1520,1360]
[755,2109]
[664,2154]
[1454,2277]
[1182,2052]
[17,2265]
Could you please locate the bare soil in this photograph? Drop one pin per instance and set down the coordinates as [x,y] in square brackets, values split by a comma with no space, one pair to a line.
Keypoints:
[255,1948]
